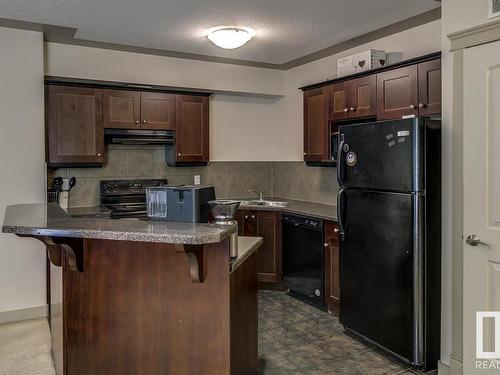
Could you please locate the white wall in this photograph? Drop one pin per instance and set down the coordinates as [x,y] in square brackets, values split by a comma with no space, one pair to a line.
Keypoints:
[288,133]
[109,65]
[459,15]
[22,155]
[241,128]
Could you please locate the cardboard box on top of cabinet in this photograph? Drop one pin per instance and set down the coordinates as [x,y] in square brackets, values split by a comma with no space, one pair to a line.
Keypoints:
[360,62]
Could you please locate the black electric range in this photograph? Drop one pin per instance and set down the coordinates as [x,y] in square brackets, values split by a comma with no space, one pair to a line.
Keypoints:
[126,199]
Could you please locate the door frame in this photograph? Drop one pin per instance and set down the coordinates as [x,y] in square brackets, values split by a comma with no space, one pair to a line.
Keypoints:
[453,60]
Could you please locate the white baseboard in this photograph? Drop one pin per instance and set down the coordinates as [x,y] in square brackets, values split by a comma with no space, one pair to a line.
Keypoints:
[456,366]
[443,369]
[23,314]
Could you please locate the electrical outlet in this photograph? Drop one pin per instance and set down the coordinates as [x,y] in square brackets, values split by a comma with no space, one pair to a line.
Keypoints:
[197,179]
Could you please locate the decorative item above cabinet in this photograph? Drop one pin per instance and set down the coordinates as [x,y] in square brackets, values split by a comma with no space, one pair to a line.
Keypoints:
[411,87]
[78,111]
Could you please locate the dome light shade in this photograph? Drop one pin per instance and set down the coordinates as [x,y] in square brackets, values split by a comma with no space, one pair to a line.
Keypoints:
[229,37]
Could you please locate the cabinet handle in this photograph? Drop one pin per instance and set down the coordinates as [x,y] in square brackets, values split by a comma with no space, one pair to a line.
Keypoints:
[421,105]
[325,244]
[179,154]
[253,217]
[346,110]
[352,109]
[144,121]
[137,121]
[335,230]
[99,154]
[413,106]
[246,216]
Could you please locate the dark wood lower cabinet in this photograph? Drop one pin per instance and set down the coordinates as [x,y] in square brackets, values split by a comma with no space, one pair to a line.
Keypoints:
[265,224]
[332,266]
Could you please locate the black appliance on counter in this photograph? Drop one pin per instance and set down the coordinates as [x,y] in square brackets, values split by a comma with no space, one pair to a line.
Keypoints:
[389,213]
[126,198]
[303,258]
[182,203]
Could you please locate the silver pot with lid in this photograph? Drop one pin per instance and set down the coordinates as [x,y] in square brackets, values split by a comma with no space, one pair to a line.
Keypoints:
[224,212]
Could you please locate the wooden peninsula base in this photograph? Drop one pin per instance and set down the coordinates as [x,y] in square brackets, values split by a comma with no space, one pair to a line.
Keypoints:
[123,307]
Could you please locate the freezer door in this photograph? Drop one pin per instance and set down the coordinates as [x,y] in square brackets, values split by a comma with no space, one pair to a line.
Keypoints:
[382,155]
[381,295]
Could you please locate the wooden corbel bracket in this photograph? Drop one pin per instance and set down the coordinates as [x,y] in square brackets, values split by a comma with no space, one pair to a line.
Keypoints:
[55,250]
[195,256]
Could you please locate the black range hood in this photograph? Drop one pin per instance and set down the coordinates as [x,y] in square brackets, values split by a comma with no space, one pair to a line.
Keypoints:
[139,137]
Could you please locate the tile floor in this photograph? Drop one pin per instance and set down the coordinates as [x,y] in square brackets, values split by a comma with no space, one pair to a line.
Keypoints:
[295,338]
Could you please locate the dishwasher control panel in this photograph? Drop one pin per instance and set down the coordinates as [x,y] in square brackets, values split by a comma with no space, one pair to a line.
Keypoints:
[303,221]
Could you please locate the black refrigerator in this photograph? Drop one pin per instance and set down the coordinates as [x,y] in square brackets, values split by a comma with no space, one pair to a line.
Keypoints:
[389,213]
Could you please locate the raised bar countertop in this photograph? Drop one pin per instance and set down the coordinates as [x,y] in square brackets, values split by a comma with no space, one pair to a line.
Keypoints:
[317,210]
[246,247]
[51,220]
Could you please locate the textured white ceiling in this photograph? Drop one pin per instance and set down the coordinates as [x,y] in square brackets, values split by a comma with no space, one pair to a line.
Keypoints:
[285,29]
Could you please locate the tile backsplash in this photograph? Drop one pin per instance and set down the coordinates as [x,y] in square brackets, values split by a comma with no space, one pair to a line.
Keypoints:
[231,179]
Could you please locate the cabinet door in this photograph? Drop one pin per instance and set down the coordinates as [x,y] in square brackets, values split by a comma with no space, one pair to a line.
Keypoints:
[316,125]
[339,104]
[363,97]
[265,224]
[429,87]
[75,134]
[157,111]
[121,109]
[246,223]
[191,128]
[269,262]
[397,93]
[332,266]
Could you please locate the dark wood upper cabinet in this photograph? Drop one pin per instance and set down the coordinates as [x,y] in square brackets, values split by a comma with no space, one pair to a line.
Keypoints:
[316,125]
[332,266]
[121,109]
[429,87]
[265,224]
[363,97]
[157,111]
[74,126]
[338,101]
[397,93]
[191,125]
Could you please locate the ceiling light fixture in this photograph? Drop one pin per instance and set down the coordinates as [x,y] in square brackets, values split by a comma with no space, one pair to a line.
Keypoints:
[229,37]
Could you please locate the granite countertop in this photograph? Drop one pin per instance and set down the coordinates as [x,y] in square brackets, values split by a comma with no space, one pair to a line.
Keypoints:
[317,210]
[246,247]
[51,220]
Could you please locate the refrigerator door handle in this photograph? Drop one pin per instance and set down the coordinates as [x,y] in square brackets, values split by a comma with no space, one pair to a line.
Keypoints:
[340,212]
[418,278]
[340,161]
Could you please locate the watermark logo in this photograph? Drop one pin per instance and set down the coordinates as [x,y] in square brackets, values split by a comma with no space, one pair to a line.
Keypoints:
[488,359]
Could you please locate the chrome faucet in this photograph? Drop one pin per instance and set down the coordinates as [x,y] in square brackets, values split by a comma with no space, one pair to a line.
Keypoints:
[258,191]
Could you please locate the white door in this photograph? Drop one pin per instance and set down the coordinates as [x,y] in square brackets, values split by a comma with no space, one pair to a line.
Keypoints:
[481,205]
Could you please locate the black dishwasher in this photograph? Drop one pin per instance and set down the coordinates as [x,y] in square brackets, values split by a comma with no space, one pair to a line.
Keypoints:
[303,258]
